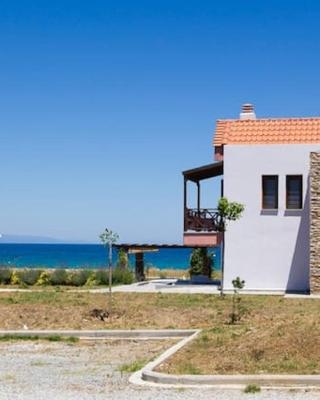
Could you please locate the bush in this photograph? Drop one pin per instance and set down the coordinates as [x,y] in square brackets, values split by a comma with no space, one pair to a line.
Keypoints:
[15,278]
[29,276]
[44,279]
[79,278]
[59,277]
[122,259]
[92,281]
[201,262]
[102,276]
[124,276]
[5,275]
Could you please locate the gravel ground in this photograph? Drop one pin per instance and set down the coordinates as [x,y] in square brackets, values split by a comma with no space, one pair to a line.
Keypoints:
[55,371]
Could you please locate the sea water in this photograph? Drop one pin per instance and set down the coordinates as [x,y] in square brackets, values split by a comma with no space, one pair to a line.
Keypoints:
[88,256]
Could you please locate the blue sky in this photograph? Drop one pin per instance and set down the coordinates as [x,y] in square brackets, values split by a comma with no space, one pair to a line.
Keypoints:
[104,103]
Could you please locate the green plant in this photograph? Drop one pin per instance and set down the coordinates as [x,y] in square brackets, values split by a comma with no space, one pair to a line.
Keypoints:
[92,280]
[132,367]
[122,259]
[108,239]
[101,276]
[59,277]
[252,388]
[29,276]
[238,310]
[5,275]
[79,278]
[15,278]
[44,279]
[201,262]
[122,276]
[227,211]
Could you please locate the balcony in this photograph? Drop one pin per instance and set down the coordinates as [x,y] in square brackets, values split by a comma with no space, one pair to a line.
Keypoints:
[202,226]
[202,220]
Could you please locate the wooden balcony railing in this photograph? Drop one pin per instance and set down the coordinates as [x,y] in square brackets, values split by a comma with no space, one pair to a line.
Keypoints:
[202,220]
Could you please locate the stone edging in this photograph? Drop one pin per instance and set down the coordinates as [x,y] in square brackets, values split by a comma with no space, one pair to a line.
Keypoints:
[104,333]
[147,376]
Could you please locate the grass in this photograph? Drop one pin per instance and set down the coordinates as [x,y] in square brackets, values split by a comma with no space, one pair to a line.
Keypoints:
[276,335]
[51,338]
[252,388]
[133,366]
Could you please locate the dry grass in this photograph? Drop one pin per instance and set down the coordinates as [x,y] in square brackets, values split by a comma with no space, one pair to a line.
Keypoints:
[276,335]
[156,273]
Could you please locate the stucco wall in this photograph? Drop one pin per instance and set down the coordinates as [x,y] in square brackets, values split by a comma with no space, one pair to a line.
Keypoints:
[269,250]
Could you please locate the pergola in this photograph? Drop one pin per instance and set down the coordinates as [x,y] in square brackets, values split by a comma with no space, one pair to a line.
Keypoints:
[139,249]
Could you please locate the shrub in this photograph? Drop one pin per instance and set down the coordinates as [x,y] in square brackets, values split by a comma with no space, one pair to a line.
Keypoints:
[122,259]
[122,276]
[59,277]
[79,278]
[44,278]
[29,276]
[92,280]
[201,262]
[15,278]
[5,275]
[102,277]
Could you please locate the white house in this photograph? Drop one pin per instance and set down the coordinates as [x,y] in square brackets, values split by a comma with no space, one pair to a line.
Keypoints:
[272,166]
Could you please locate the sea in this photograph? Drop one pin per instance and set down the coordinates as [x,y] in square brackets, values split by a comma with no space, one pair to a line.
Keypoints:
[88,256]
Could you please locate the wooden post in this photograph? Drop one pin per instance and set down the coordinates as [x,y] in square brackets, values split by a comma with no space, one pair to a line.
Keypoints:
[198,200]
[139,270]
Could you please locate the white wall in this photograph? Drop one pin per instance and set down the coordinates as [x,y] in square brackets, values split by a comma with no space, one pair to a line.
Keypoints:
[269,251]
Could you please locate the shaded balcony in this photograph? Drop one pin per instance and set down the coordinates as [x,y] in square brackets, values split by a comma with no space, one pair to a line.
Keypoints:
[201,225]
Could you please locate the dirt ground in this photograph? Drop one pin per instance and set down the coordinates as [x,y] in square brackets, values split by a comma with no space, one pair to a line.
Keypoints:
[275,335]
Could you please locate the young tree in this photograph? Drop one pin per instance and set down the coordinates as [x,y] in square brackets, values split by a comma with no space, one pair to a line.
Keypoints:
[108,239]
[122,259]
[227,211]
[201,262]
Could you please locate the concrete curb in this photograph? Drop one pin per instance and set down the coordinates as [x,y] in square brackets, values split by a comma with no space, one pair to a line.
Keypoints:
[105,334]
[147,376]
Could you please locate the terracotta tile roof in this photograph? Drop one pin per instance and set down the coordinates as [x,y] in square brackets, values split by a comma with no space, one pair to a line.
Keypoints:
[267,131]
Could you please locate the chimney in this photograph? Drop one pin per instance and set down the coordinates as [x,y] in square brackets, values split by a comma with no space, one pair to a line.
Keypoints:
[247,111]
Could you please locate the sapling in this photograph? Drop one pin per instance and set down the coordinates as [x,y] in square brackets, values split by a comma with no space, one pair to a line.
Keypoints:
[108,239]
[238,310]
[227,211]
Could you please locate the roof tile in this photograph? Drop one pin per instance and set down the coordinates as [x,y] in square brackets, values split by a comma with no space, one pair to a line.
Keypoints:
[267,131]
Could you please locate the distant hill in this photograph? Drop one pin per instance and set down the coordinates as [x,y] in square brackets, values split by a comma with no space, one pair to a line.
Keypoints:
[4,238]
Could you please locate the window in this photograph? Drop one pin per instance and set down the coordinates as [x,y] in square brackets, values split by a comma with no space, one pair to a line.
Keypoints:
[270,192]
[294,192]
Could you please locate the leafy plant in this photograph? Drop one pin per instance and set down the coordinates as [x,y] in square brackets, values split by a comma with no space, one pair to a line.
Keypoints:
[15,278]
[59,277]
[122,259]
[201,262]
[79,278]
[227,211]
[5,275]
[238,310]
[29,276]
[44,279]
[124,276]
